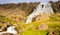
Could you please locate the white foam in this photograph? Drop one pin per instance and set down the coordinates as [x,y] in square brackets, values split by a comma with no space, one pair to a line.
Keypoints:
[10,30]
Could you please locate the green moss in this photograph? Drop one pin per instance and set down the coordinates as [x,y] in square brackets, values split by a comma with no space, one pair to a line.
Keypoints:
[53,22]
[54,18]
[33,32]
[6,20]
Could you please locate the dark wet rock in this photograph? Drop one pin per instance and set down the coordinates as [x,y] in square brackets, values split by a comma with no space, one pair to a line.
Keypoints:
[54,32]
[1,16]
[1,21]
[5,26]
[55,6]
[36,18]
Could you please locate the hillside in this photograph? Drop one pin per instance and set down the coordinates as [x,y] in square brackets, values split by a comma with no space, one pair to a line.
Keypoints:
[20,6]
[16,14]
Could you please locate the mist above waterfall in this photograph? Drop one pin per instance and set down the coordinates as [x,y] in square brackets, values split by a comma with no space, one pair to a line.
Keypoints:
[42,8]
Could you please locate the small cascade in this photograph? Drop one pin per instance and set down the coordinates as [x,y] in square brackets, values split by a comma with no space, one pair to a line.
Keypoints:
[42,8]
[10,30]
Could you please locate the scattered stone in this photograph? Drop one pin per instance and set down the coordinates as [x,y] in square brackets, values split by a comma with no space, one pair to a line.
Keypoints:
[55,6]
[54,32]
[36,18]
[4,28]
[43,26]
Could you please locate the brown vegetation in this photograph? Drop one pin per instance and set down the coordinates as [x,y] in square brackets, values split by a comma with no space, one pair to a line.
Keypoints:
[17,12]
[27,7]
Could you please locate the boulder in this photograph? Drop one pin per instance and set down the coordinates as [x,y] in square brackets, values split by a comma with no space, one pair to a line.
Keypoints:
[43,26]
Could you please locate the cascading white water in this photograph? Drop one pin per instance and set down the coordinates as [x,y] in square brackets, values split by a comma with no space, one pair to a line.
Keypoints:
[10,30]
[40,9]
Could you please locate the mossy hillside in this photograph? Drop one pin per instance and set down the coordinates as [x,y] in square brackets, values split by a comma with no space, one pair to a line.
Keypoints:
[31,28]
[6,20]
[53,23]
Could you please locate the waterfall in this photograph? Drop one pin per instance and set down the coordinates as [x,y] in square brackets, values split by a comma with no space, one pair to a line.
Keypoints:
[40,9]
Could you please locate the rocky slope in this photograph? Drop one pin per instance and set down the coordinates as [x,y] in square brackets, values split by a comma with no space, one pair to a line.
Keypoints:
[20,6]
[42,8]
[55,6]
[17,12]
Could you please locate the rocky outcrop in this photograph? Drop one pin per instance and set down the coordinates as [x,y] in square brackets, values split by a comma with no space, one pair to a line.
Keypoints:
[10,31]
[43,26]
[55,6]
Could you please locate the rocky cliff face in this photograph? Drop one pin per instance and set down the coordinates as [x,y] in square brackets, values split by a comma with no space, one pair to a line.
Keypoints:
[55,6]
